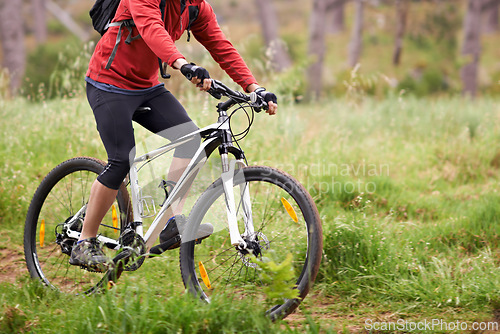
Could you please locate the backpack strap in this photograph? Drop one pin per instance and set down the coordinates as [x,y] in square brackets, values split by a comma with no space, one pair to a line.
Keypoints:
[193,15]
[163,71]
[129,24]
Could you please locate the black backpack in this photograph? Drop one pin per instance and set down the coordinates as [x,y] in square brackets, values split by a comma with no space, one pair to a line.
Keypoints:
[103,12]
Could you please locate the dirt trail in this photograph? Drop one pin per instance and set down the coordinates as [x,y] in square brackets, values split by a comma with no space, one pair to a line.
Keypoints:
[12,265]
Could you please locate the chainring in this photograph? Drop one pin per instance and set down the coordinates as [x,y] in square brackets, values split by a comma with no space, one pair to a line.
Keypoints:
[133,244]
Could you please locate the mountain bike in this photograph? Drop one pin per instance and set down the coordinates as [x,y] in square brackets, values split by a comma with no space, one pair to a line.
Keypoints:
[266,214]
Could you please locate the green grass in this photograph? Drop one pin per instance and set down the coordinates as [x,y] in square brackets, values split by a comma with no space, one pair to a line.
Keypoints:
[407,190]
[137,308]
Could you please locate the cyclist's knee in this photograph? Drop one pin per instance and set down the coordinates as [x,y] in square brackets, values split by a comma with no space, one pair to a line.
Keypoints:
[114,173]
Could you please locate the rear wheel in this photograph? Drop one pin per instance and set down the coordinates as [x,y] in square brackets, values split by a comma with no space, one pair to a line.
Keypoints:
[287,225]
[54,221]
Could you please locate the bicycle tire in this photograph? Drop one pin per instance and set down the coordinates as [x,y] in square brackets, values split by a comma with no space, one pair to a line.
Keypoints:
[59,196]
[302,238]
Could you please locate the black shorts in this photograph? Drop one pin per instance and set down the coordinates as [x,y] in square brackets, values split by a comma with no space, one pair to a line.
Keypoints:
[114,114]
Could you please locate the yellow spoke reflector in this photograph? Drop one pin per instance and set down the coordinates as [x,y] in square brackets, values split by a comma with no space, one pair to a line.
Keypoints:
[290,210]
[42,232]
[204,275]
[114,217]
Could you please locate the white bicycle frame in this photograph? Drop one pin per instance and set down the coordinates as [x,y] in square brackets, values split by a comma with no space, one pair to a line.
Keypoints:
[186,179]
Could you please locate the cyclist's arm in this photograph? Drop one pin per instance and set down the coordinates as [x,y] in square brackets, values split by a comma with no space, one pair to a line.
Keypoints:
[147,18]
[208,32]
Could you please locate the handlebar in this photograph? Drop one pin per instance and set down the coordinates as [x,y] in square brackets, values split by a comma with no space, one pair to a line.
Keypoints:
[218,89]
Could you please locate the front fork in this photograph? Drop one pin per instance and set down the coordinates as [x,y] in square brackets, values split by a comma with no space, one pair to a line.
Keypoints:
[228,175]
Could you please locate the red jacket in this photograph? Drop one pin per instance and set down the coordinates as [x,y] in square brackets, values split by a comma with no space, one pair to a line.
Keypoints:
[135,65]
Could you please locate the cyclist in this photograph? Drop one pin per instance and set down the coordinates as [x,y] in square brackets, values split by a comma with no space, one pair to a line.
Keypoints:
[123,75]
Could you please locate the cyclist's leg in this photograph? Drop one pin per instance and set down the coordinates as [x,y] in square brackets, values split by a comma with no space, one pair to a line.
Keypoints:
[113,114]
[100,200]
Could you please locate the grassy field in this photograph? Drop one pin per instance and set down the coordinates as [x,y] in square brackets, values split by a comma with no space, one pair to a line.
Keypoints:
[407,190]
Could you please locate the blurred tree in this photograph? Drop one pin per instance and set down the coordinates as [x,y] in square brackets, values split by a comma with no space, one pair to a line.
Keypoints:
[490,19]
[335,16]
[402,8]
[12,39]
[40,19]
[316,49]
[356,44]
[65,18]
[472,46]
[269,23]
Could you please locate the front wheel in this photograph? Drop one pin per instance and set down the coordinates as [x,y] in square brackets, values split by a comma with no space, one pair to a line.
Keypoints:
[54,221]
[286,226]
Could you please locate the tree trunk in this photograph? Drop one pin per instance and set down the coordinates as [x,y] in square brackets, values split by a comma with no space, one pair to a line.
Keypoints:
[356,44]
[490,16]
[335,13]
[40,20]
[472,47]
[269,23]
[402,7]
[316,48]
[12,39]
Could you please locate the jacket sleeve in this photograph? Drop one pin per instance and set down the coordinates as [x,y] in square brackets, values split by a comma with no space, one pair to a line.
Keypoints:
[208,32]
[147,18]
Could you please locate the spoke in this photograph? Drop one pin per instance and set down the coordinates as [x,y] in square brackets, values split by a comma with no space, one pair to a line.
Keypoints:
[49,255]
[220,264]
[241,269]
[228,269]
[57,266]
[53,193]
[266,207]
[218,255]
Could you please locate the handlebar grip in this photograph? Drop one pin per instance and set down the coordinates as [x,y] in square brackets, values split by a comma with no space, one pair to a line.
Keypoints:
[215,94]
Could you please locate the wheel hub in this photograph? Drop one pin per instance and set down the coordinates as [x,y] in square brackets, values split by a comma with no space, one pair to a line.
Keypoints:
[62,239]
[256,243]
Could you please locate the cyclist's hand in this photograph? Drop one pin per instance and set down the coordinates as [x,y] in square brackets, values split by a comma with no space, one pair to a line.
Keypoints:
[270,98]
[197,75]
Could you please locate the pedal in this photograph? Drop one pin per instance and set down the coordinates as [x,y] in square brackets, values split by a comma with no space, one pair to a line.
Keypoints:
[161,248]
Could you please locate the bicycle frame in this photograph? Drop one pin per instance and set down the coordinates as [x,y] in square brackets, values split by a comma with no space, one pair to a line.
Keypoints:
[217,135]
[221,140]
